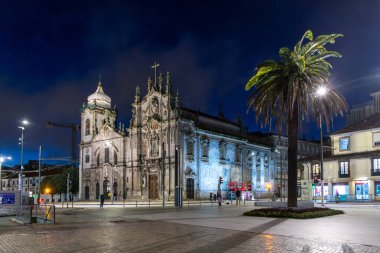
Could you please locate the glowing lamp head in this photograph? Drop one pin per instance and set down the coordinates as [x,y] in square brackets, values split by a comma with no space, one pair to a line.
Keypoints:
[321,91]
[3,158]
[47,191]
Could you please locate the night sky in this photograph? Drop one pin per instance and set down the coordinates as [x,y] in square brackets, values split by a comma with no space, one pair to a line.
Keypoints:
[52,53]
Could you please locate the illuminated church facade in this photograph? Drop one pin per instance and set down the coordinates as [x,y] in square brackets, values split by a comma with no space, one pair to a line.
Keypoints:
[138,161]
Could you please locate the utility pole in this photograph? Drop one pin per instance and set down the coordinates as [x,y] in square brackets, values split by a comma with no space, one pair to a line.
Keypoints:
[163,173]
[39,175]
[68,189]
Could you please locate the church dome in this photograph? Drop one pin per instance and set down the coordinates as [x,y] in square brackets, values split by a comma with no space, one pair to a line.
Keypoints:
[99,98]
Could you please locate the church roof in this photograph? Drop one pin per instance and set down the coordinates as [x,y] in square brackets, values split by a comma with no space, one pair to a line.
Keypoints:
[221,125]
[99,98]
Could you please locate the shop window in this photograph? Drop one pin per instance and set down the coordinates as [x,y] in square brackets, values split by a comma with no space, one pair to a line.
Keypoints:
[344,143]
[344,169]
[375,167]
[377,188]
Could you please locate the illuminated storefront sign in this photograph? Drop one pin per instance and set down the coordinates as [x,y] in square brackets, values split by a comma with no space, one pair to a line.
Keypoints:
[7,198]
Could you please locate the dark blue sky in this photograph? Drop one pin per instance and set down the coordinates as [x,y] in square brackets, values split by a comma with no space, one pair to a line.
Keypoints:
[52,52]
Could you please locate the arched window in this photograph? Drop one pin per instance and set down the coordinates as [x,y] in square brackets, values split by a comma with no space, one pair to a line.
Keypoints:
[189,149]
[222,150]
[87,127]
[114,157]
[106,155]
[98,160]
[238,154]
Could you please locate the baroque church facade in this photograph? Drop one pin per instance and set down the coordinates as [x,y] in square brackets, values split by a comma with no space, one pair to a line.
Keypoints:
[138,161]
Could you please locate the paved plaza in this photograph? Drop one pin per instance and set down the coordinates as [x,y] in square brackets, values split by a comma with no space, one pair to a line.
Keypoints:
[193,229]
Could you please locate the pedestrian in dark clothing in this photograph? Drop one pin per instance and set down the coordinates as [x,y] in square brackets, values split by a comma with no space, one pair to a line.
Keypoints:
[210,196]
[219,197]
[101,200]
[238,194]
[214,197]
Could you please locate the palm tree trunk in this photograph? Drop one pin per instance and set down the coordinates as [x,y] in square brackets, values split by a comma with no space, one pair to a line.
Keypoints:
[292,156]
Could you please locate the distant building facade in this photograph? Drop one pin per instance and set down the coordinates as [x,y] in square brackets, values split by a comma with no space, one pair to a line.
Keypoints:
[352,170]
[138,161]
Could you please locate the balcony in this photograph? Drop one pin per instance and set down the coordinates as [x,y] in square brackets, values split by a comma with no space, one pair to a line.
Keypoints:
[375,172]
[189,157]
[347,175]
[376,143]
[204,158]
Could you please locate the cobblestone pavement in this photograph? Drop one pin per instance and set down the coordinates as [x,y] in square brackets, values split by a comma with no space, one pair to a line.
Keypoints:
[166,230]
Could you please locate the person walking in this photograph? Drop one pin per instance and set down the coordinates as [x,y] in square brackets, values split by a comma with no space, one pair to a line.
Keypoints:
[219,197]
[238,194]
[101,200]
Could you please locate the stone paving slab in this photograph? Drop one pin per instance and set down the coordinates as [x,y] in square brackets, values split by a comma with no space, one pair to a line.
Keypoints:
[194,229]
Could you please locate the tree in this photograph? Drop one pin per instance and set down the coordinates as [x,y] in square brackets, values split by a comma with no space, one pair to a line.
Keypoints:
[49,185]
[286,90]
[58,183]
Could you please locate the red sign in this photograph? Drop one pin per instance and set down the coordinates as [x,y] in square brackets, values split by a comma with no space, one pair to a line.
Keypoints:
[234,186]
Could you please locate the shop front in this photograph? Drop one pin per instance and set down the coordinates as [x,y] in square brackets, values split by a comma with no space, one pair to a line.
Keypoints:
[362,190]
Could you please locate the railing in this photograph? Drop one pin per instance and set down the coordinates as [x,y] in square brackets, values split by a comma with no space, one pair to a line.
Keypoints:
[349,198]
[36,213]
[7,211]
[157,203]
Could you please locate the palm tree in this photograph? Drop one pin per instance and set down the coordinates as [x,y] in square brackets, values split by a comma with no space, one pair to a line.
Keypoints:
[286,90]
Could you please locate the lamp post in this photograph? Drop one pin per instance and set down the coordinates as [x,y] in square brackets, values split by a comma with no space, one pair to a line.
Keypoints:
[321,91]
[2,159]
[24,122]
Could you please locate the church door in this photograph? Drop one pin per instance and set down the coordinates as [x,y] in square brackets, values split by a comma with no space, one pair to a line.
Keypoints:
[153,186]
[190,188]
[86,192]
[97,190]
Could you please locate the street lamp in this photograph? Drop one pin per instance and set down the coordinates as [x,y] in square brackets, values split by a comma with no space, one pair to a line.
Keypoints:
[321,92]
[24,122]
[2,159]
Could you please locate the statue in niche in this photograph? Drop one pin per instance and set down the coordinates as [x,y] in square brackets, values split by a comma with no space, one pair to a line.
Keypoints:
[154,105]
[154,146]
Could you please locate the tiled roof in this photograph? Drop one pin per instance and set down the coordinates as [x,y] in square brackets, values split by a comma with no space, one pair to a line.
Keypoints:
[221,125]
[367,123]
